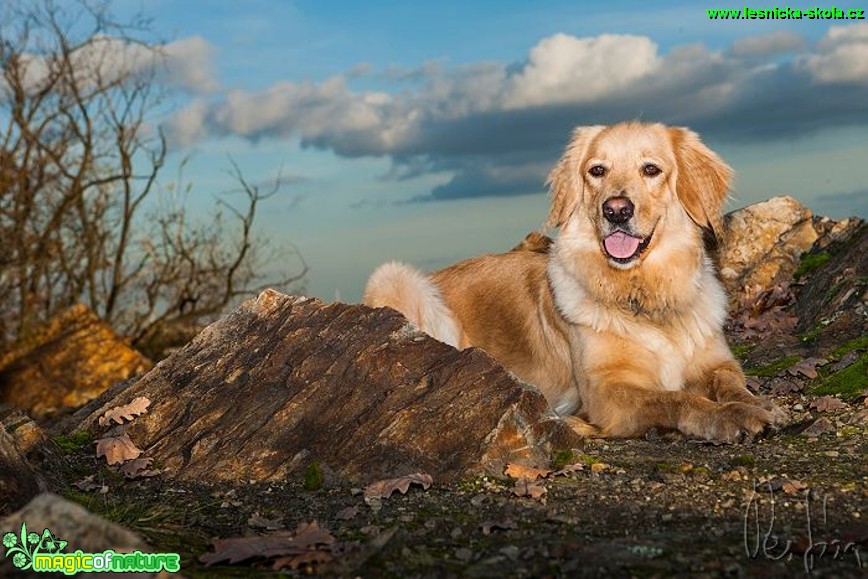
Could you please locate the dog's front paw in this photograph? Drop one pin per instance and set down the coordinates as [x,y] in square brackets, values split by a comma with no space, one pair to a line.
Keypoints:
[735,421]
[779,415]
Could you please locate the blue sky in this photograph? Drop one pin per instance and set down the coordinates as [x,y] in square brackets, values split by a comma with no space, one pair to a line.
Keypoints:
[423,131]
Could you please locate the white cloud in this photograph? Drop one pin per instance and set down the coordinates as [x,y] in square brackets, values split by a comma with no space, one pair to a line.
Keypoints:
[190,64]
[438,114]
[842,56]
[565,69]
[774,43]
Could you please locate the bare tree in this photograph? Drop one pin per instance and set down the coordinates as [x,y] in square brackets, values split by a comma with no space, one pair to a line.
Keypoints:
[80,158]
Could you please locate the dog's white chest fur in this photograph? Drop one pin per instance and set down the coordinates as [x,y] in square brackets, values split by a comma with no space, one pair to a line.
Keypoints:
[664,352]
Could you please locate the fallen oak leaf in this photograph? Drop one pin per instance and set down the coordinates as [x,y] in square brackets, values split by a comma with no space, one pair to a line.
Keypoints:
[307,538]
[117,449]
[126,412]
[383,489]
[827,403]
[518,471]
[139,468]
[793,486]
[528,488]
[87,484]
[569,469]
[807,368]
[307,558]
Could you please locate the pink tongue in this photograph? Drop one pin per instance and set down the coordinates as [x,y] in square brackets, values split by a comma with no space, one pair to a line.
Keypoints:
[620,245]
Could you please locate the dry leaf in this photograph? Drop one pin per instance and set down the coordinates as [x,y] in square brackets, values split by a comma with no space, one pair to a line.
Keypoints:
[807,368]
[139,468]
[488,526]
[528,488]
[383,489]
[569,469]
[126,412]
[793,486]
[827,403]
[599,467]
[308,558]
[87,485]
[308,538]
[784,386]
[117,449]
[528,472]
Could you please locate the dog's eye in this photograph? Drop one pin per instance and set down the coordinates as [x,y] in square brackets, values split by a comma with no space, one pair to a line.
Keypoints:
[597,171]
[651,170]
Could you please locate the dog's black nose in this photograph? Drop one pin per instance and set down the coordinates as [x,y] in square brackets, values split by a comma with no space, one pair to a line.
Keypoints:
[618,209]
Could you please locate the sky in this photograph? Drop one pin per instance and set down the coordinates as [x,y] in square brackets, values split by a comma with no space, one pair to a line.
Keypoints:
[423,131]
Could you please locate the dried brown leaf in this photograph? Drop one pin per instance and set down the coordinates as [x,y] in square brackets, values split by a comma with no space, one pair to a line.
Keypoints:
[827,403]
[793,486]
[569,469]
[87,485]
[307,558]
[599,467]
[308,538]
[784,386]
[528,488]
[126,412]
[117,449]
[807,367]
[384,488]
[528,472]
[139,468]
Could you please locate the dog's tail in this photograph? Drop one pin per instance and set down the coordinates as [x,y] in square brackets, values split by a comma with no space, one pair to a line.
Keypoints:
[412,293]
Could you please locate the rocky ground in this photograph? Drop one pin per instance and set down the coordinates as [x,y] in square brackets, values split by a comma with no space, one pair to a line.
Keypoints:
[224,481]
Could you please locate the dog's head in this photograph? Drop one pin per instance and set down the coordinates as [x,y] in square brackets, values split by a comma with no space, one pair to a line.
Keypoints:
[630,181]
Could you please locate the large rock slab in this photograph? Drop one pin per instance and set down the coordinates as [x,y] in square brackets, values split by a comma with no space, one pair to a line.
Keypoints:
[69,362]
[761,244]
[285,381]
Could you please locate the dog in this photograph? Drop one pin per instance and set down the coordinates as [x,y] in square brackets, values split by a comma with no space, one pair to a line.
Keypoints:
[619,320]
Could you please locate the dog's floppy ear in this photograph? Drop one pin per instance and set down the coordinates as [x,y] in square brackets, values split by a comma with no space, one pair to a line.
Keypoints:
[702,181]
[565,181]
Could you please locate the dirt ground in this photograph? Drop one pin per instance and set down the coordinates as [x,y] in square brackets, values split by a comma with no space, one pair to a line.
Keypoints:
[662,506]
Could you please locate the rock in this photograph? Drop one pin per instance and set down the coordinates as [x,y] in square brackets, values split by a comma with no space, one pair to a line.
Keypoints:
[18,481]
[28,435]
[834,297]
[761,243]
[284,381]
[70,361]
[70,522]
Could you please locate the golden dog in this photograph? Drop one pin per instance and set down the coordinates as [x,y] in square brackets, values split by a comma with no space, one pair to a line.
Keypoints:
[619,322]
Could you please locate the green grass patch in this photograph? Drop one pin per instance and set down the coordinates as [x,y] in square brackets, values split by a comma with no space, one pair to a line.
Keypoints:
[858,344]
[741,351]
[313,477]
[562,458]
[772,369]
[811,262]
[848,383]
[743,460]
[74,442]
[811,336]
